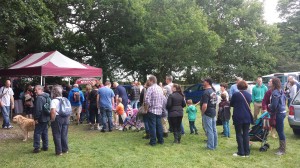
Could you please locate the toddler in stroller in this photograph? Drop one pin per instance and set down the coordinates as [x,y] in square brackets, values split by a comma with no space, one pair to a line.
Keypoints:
[259,132]
[131,119]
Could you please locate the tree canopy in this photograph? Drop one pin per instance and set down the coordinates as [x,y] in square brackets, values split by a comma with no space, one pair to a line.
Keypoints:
[189,39]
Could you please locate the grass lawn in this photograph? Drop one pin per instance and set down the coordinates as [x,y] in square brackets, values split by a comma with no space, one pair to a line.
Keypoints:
[128,149]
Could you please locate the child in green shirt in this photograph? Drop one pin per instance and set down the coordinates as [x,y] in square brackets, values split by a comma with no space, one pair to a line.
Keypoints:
[192,114]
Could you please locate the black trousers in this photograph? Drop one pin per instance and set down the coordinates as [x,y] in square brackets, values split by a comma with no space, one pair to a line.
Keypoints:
[242,138]
[175,123]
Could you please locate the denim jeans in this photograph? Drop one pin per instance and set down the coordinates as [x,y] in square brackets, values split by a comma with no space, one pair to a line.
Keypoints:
[146,123]
[60,134]
[5,113]
[41,129]
[242,138]
[211,131]
[155,128]
[226,128]
[134,104]
[192,126]
[280,125]
[182,128]
[106,114]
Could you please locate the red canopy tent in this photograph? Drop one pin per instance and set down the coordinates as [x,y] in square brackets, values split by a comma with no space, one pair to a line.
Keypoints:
[50,64]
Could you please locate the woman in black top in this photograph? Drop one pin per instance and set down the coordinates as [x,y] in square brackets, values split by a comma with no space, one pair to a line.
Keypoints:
[175,105]
[92,98]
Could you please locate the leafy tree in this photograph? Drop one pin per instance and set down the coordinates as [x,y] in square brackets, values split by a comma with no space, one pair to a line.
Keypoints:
[289,45]
[248,39]
[26,26]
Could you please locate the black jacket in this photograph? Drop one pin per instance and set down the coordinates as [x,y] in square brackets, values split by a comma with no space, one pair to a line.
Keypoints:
[38,112]
[175,105]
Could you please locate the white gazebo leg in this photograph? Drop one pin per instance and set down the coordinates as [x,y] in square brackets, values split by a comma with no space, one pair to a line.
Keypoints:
[41,80]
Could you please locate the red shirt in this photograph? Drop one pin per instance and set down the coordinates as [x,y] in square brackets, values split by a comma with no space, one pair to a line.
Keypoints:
[266,101]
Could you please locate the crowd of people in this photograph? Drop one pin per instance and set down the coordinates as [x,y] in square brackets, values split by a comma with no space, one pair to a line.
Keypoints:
[105,108]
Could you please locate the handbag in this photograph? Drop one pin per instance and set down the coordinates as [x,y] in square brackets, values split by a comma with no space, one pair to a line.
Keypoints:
[1,102]
[144,107]
[252,122]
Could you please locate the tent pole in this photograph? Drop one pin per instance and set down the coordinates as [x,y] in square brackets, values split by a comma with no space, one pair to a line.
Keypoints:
[69,79]
[41,80]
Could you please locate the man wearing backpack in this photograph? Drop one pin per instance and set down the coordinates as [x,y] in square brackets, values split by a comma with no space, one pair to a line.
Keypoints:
[76,98]
[41,120]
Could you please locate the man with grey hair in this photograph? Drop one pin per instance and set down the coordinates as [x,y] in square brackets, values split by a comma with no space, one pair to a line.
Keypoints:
[168,87]
[154,99]
[41,120]
[76,98]
[234,88]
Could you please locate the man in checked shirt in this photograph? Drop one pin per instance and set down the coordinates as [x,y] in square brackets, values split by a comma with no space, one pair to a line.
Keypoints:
[154,99]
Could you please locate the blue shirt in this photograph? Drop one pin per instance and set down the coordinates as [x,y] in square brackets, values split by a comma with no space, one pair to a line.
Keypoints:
[121,91]
[71,97]
[233,89]
[106,95]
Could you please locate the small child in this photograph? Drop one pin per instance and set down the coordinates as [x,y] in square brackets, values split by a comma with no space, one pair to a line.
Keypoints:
[224,112]
[121,112]
[192,114]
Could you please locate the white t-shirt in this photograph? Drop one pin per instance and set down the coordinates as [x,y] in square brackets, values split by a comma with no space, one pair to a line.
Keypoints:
[55,104]
[6,93]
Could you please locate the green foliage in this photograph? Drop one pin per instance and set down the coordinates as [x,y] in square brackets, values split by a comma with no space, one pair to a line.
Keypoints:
[289,45]
[246,50]
[26,26]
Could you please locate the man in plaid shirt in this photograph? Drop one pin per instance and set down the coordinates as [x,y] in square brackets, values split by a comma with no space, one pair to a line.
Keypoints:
[154,99]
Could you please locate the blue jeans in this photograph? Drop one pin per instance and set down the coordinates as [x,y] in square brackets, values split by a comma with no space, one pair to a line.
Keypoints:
[5,113]
[106,114]
[211,131]
[41,129]
[226,128]
[60,134]
[192,126]
[242,138]
[134,104]
[155,128]
[182,129]
[280,125]
[146,123]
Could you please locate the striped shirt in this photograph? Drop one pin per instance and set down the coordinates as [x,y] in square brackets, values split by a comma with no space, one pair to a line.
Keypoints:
[154,98]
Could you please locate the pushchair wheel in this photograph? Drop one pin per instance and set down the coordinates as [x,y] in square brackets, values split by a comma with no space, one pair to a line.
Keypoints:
[263,149]
[267,145]
[130,128]
[125,129]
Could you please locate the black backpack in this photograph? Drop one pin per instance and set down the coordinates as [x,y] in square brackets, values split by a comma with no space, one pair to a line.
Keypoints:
[46,107]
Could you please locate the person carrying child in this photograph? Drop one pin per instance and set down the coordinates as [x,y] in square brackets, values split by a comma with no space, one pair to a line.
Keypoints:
[192,115]
[224,112]
[120,111]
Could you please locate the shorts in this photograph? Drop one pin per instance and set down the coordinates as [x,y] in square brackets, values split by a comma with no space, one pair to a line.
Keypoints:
[76,110]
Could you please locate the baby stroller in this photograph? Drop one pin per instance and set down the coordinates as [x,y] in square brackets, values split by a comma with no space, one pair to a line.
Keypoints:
[260,131]
[131,119]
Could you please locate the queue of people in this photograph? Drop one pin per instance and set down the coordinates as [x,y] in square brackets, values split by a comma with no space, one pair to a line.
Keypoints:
[107,108]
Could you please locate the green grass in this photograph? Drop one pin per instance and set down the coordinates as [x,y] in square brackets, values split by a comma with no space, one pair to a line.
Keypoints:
[128,149]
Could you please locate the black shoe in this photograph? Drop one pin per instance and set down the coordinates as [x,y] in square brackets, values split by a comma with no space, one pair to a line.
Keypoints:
[165,135]
[102,131]
[45,149]
[36,150]
[110,130]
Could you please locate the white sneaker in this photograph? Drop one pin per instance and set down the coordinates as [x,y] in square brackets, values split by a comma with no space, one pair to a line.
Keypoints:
[120,129]
[237,155]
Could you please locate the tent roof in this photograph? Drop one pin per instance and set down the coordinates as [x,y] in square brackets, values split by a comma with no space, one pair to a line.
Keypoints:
[50,64]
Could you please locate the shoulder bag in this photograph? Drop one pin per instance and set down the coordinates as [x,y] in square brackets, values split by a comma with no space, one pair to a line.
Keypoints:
[252,122]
